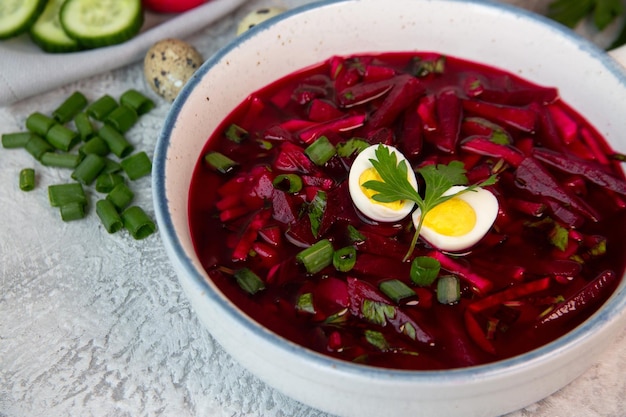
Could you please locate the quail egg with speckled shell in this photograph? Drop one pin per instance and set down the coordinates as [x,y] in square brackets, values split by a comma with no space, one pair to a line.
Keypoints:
[169,64]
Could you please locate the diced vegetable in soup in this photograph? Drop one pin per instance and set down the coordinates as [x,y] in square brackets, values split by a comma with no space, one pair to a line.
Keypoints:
[410,210]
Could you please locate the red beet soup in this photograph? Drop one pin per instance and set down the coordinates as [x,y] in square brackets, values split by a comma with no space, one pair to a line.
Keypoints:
[275,226]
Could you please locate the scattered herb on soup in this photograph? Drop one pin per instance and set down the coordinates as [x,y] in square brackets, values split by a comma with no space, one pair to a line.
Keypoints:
[410,210]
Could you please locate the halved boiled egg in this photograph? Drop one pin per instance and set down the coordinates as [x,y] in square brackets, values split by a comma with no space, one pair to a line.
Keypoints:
[362,171]
[461,221]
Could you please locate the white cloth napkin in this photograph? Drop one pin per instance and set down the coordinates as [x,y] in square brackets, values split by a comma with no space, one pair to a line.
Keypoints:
[25,70]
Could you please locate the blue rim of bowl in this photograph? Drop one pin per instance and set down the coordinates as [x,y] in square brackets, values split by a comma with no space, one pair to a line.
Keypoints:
[611,310]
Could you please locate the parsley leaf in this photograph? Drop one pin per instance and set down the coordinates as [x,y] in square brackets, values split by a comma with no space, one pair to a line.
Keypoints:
[395,185]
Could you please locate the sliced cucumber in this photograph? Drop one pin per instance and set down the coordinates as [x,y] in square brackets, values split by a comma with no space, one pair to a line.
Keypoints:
[48,33]
[17,16]
[96,23]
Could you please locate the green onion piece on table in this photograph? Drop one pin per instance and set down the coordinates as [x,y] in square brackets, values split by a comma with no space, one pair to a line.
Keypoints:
[137,101]
[120,196]
[137,222]
[116,141]
[37,146]
[122,118]
[72,211]
[95,145]
[317,256]
[111,166]
[72,105]
[60,160]
[109,216]
[107,181]
[27,179]
[102,107]
[15,140]
[62,194]
[84,126]
[39,123]
[62,137]
[88,169]
[320,151]
[137,165]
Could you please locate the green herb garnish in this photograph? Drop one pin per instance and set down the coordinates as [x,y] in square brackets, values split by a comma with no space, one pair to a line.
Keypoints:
[438,179]
[601,12]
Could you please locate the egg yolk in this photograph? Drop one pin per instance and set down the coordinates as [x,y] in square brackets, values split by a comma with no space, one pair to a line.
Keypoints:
[454,217]
[371,174]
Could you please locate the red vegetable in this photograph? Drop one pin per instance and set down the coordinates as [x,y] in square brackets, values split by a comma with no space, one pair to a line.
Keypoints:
[583,299]
[171,6]
[593,172]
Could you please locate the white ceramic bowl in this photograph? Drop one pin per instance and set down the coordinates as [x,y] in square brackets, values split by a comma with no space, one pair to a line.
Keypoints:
[498,35]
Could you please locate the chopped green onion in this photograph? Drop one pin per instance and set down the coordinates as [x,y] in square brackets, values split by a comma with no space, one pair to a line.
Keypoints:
[72,211]
[84,126]
[27,179]
[137,222]
[290,183]
[116,141]
[120,196]
[377,339]
[236,133]
[62,138]
[137,165]
[15,140]
[37,146]
[72,105]
[109,216]
[111,166]
[316,211]
[137,101]
[249,281]
[219,162]
[397,290]
[62,194]
[344,259]
[317,256]
[107,181]
[424,270]
[39,123]
[88,169]
[320,151]
[95,145]
[102,107]
[305,303]
[351,146]
[448,289]
[60,160]
[122,118]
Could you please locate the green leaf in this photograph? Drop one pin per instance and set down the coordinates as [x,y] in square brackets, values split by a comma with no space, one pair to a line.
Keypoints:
[606,11]
[377,312]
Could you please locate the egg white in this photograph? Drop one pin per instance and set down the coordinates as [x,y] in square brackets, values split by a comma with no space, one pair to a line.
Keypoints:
[368,206]
[485,205]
